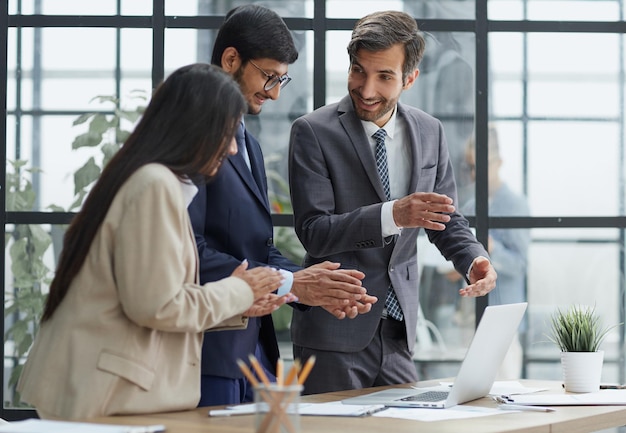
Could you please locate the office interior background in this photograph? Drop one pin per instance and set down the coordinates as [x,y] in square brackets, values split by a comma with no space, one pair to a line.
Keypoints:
[549,75]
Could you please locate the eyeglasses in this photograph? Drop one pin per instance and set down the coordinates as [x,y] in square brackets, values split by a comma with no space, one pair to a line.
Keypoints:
[272,80]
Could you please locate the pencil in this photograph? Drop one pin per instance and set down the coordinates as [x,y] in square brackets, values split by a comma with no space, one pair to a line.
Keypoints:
[279,372]
[246,372]
[306,369]
[259,370]
[293,372]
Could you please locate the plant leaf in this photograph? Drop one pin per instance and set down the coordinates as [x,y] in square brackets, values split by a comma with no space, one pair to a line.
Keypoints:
[86,175]
[88,139]
[83,118]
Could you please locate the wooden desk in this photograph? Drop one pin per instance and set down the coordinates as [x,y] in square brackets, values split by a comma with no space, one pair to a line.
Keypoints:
[572,419]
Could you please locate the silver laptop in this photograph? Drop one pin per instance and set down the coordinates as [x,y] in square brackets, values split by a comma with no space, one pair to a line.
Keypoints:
[478,371]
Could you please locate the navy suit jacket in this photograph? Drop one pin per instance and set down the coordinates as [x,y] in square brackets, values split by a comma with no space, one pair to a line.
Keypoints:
[232,221]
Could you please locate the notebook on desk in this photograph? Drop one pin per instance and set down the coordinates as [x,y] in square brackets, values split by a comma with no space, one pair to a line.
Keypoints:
[605,397]
[478,371]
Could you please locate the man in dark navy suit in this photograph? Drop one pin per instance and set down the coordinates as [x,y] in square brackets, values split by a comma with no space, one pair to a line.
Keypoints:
[232,219]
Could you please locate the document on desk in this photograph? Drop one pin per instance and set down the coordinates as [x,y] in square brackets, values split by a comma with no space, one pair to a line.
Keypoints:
[605,397]
[501,387]
[511,387]
[44,426]
[333,408]
[430,415]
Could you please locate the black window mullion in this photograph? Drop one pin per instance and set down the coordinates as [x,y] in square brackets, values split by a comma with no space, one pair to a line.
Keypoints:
[158,42]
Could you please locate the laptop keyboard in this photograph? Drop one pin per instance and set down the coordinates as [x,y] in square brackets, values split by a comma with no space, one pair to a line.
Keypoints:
[427,396]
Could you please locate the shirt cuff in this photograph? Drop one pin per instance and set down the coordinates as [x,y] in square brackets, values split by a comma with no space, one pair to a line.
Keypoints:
[287,283]
[387,223]
[467,276]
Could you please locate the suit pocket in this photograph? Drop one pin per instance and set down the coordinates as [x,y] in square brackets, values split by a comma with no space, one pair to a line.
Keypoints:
[412,273]
[127,369]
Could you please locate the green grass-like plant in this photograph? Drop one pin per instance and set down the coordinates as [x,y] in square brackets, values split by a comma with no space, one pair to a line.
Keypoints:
[578,329]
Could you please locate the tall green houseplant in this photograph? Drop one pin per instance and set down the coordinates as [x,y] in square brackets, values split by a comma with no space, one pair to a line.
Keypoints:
[28,243]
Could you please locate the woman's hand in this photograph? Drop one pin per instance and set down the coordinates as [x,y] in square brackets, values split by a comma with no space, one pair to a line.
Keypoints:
[268,303]
[262,280]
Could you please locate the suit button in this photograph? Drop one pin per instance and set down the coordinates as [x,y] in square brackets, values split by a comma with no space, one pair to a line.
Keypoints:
[269,242]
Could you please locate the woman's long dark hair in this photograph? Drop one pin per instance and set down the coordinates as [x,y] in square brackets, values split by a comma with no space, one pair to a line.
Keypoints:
[187,126]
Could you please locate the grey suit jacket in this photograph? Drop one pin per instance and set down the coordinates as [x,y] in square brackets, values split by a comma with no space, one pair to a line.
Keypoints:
[337,198]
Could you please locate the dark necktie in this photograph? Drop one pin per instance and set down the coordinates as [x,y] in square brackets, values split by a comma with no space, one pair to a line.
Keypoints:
[381,160]
[391,302]
[240,138]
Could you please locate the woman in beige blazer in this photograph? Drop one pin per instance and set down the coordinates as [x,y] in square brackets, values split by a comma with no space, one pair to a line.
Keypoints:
[122,328]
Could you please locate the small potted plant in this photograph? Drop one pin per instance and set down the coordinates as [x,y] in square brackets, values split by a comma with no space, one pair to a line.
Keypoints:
[578,332]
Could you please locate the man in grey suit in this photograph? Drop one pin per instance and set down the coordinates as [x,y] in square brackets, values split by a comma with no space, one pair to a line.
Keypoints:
[361,196]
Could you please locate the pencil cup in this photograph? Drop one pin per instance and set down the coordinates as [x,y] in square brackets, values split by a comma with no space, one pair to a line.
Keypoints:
[277,408]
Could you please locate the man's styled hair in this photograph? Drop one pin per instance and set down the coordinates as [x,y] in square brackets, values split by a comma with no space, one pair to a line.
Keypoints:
[256,32]
[381,30]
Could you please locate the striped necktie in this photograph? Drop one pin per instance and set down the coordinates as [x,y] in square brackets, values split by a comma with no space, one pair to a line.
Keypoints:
[391,302]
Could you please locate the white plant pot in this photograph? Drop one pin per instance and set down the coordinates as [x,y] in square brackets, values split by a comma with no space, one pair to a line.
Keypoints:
[582,371]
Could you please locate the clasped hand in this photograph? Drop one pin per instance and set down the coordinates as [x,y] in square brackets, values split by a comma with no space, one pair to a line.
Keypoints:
[263,281]
[338,291]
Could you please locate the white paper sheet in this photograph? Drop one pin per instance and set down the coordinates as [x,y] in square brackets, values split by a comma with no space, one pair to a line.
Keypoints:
[44,426]
[333,408]
[610,397]
[429,415]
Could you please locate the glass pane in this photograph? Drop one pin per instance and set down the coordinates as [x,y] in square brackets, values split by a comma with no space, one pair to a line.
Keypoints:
[558,84]
[53,161]
[567,107]
[506,181]
[19,66]
[506,69]
[186,46]
[31,253]
[65,7]
[443,9]
[559,10]
[440,9]
[19,138]
[597,281]
[78,7]
[10,137]
[46,144]
[74,91]
[284,8]
[358,8]
[137,7]
[337,64]
[92,49]
[70,78]
[136,55]
[511,150]
[562,170]
[11,70]
[445,89]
